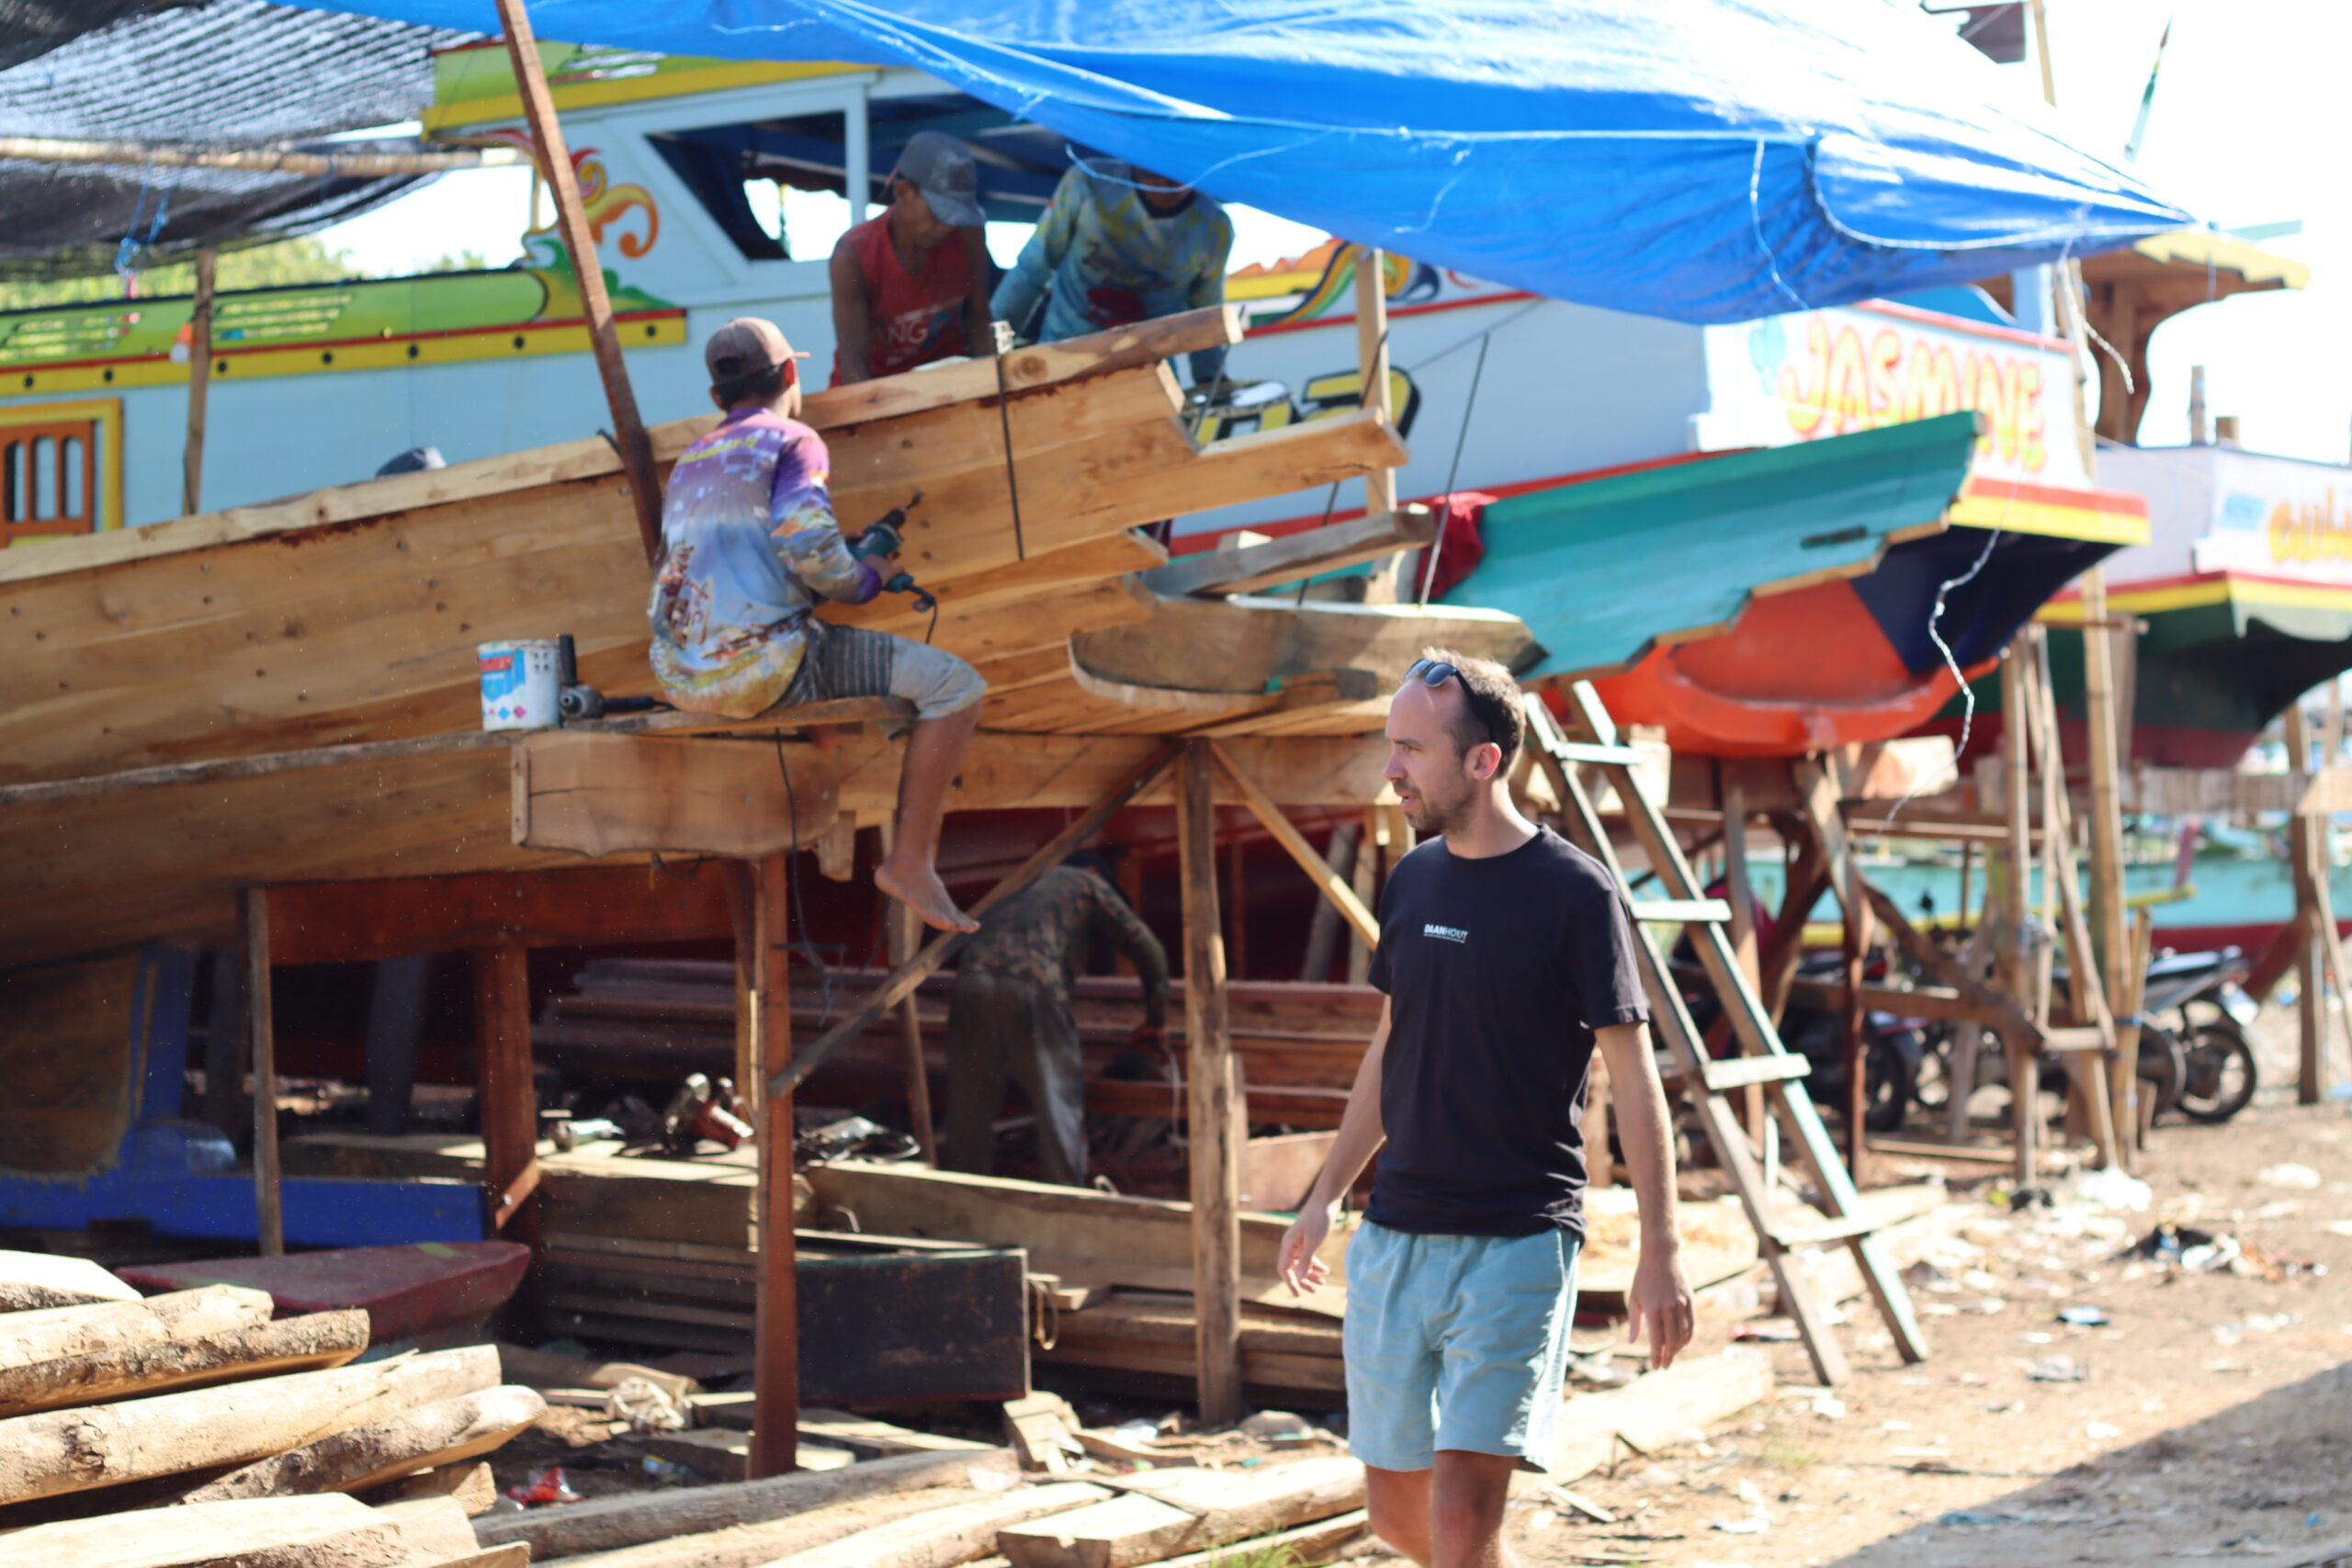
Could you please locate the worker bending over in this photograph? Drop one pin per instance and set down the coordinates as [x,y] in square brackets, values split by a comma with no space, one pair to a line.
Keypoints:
[1011,1009]
[1118,245]
[748,546]
[910,285]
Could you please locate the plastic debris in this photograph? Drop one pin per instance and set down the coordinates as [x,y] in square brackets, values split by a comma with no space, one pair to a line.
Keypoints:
[1773,1332]
[2059,1368]
[2099,1431]
[2085,1316]
[1278,1423]
[545,1488]
[1962,1516]
[2109,1189]
[1828,1406]
[2289,1175]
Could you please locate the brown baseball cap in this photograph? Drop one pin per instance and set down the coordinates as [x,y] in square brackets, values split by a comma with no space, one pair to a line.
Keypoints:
[746,347]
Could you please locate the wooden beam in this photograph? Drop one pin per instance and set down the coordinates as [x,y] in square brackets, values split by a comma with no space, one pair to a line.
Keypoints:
[906,934]
[2110,918]
[2010,870]
[905,977]
[1328,882]
[507,1094]
[1253,568]
[587,272]
[269,1199]
[199,381]
[776,1373]
[327,922]
[1214,1102]
[1372,361]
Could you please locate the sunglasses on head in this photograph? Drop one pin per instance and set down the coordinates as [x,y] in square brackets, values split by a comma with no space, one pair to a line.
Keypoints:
[1437,672]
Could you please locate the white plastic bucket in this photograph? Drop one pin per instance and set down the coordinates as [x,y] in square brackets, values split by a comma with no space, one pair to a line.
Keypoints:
[518,683]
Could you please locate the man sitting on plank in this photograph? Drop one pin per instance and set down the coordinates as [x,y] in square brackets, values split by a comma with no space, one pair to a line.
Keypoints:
[748,546]
[1508,957]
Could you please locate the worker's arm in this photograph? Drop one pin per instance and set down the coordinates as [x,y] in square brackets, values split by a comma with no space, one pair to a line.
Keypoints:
[1139,947]
[852,327]
[1207,289]
[808,539]
[1020,298]
[1360,1137]
[1659,1304]
[979,328]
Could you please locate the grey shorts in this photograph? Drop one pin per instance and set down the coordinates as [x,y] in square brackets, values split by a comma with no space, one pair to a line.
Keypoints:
[851,662]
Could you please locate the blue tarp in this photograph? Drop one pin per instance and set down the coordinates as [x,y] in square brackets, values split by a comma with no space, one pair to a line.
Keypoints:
[1702,159]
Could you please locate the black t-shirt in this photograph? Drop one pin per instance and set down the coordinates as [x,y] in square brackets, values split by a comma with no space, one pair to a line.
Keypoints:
[1498,972]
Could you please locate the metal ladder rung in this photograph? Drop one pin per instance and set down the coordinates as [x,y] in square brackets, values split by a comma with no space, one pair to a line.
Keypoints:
[1739,1072]
[1681,911]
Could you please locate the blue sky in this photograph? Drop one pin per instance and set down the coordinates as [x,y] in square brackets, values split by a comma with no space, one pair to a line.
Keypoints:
[2249,128]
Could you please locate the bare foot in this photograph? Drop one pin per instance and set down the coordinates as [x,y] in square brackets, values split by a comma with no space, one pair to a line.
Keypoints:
[922,891]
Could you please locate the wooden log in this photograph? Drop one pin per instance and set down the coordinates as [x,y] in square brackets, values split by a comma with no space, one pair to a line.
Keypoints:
[446,1432]
[270,1198]
[1657,1411]
[945,1537]
[251,1351]
[1214,1107]
[539,1369]
[775,1371]
[468,1480]
[1255,566]
[29,1338]
[269,1532]
[1180,1511]
[62,1452]
[604,1524]
[36,1281]
[747,1546]
[1302,1547]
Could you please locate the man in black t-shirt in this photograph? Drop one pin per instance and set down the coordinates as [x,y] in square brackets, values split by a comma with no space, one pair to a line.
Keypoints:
[1508,959]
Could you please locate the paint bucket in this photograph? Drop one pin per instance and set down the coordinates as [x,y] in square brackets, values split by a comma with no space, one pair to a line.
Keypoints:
[519,684]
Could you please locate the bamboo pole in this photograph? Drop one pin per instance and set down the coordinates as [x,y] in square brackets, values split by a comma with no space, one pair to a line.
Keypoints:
[162,156]
[595,304]
[2110,928]
[2303,845]
[199,385]
[1215,1115]
[2005,871]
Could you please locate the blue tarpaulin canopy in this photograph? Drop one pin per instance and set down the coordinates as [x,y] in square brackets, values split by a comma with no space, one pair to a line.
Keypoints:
[1702,159]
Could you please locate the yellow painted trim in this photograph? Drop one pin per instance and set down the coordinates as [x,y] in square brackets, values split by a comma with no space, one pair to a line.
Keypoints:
[2203,247]
[1271,284]
[497,107]
[2200,595]
[107,414]
[2023,516]
[372,354]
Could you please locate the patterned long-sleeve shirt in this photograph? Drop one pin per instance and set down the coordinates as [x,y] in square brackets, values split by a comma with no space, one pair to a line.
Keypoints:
[1042,935]
[1103,259]
[749,544]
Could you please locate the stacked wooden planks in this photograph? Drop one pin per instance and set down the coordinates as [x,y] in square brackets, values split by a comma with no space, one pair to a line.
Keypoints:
[194,1429]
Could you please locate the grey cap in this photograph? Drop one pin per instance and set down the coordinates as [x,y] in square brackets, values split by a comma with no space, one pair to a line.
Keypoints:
[942,168]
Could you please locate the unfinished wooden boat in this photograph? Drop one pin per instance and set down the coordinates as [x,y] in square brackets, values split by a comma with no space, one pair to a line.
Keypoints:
[289,692]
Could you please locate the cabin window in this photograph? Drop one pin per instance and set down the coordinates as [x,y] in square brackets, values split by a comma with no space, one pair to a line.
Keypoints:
[48,478]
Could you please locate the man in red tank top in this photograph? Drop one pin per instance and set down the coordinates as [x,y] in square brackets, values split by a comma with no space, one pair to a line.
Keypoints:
[910,286]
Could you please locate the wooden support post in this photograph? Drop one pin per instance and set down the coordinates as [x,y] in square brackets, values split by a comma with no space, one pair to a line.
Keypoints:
[225,1041]
[1855,929]
[588,274]
[1340,897]
[1237,893]
[740,892]
[2307,841]
[1372,361]
[1215,1109]
[2111,919]
[199,384]
[1732,792]
[269,1199]
[508,1097]
[2007,872]
[906,934]
[776,1352]
[1365,883]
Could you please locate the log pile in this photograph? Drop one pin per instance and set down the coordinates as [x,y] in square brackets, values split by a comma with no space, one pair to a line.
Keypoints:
[196,1430]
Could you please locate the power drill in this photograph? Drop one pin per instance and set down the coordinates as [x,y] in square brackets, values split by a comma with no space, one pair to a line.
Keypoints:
[882,539]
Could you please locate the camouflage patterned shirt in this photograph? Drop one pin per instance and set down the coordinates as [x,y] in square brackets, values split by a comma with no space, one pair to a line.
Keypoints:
[1042,935]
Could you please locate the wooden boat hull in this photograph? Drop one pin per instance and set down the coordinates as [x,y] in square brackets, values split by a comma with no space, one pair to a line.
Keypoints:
[405,1290]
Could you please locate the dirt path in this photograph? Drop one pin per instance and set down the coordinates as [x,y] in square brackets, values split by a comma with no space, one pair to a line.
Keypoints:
[2213,1417]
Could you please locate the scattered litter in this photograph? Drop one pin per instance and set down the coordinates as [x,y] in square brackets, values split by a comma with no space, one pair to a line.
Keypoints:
[2290,1174]
[1990,1305]
[545,1488]
[1278,1423]
[646,1405]
[1137,1434]
[1655,1477]
[1775,1332]
[1541,1519]
[660,1469]
[2338,1227]
[1579,1504]
[2279,1209]
[2036,1338]
[1895,1425]
[2085,1316]
[2113,1188]
[1828,1406]
[1755,1524]
[2099,1431]
[1962,1516]
[2059,1368]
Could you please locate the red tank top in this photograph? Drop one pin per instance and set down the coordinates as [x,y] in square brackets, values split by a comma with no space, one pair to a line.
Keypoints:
[915,318]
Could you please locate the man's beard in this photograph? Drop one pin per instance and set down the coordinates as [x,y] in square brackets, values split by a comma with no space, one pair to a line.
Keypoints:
[1439,816]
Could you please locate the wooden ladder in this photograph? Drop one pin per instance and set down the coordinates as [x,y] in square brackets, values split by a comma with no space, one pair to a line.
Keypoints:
[1767,1062]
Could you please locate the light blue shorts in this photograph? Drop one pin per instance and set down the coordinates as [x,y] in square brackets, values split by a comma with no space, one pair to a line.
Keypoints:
[1456,1342]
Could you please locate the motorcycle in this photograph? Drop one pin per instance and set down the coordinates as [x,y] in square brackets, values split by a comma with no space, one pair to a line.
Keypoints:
[2203,1007]
[1894,1047]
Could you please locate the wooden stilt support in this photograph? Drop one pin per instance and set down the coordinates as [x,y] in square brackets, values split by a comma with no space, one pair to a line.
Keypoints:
[902,980]
[2110,918]
[1365,882]
[508,1096]
[1732,792]
[2318,950]
[1215,1109]
[1855,932]
[1286,833]
[199,384]
[776,1352]
[2008,873]
[588,274]
[906,934]
[269,1199]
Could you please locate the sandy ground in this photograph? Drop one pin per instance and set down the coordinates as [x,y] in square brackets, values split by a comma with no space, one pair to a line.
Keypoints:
[2213,1417]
